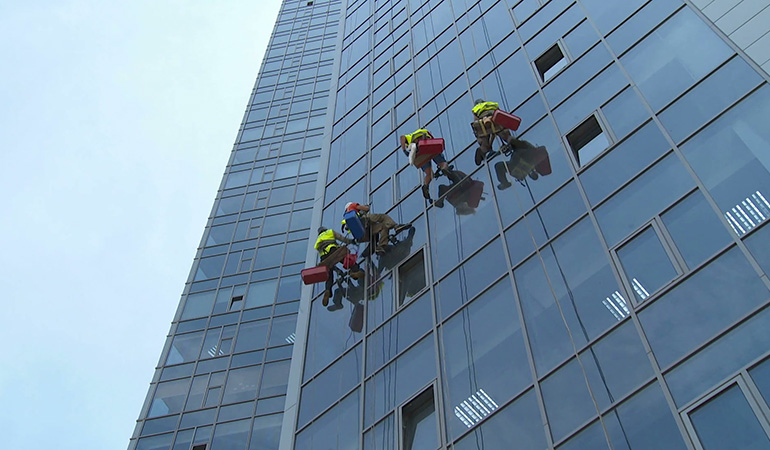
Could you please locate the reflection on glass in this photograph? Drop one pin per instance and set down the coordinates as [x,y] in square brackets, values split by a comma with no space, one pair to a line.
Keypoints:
[475,408]
[748,214]
[419,423]
[617,306]
[727,422]
[643,258]
[644,422]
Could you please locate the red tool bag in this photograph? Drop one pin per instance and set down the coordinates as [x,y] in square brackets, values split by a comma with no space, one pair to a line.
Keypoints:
[349,261]
[506,120]
[543,162]
[314,275]
[430,146]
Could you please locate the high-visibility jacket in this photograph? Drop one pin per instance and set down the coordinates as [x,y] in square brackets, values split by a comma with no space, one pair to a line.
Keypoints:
[325,242]
[481,108]
[421,133]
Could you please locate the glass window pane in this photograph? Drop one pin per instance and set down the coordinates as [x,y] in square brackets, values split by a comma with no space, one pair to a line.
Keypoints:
[485,357]
[720,359]
[232,435]
[712,95]
[411,278]
[646,264]
[251,336]
[567,400]
[702,305]
[382,436]
[645,421]
[695,229]
[727,422]
[419,423]
[759,245]
[266,432]
[198,305]
[343,419]
[274,379]
[737,179]
[330,385]
[169,398]
[398,333]
[241,385]
[625,112]
[618,362]
[518,425]
[623,161]
[675,55]
[592,437]
[761,376]
[184,348]
[636,203]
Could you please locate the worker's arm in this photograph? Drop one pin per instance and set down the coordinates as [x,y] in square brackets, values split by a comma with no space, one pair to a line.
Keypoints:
[342,238]
[363,208]
[402,139]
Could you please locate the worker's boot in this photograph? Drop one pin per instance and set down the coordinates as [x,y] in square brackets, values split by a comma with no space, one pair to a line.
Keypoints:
[425,192]
[401,227]
[325,300]
[502,176]
[357,274]
[479,156]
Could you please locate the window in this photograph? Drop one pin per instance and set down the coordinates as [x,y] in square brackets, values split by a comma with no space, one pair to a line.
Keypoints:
[418,423]
[646,264]
[236,303]
[587,140]
[200,447]
[730,419]
[411,277]
[550,62]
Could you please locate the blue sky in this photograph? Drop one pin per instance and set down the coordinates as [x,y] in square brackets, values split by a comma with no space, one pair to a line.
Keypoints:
[116,122]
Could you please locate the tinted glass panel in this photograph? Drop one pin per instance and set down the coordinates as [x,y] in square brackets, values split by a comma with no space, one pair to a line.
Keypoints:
[702,305]
[695,228]
[673,57]
[727,422]
[720,359]
[567,400]
[645,422]
[518,425]
[484,357]
[639,201]
[730,156]
[759,245]
[646,264]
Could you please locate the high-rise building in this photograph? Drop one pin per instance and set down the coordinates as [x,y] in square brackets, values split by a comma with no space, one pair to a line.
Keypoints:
[616,299]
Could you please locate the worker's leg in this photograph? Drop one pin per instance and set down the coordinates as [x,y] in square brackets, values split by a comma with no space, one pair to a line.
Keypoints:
[514,142]
[329,282]
[428,170]
[485,146]
[502,175]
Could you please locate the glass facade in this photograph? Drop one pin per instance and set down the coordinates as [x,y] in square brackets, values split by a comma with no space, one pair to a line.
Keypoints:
[617,299]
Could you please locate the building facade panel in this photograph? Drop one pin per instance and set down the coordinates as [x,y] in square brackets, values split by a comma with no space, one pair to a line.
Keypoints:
[612,300]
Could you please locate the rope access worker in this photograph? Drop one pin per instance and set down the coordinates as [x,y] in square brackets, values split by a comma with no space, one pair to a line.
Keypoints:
[331,255]
[485,131]
[409,144]
[376,224]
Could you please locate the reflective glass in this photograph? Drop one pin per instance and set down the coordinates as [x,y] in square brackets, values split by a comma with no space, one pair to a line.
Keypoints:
[702,305]
[198,305]
[696,230]
[399,380]
[647,195]
[618,363]
[519,239]
[759,246]
[419,423]
[275,378]
[607,15]
[591,438]
[720,359]
[470,278]
[251,336]
[241,384]
[266,432]
[674,56]
[232,435]
[382,436]
[708,98]
[169,398]
[162,442]
[330,385]
[558,211]
[325,339]
[737,179]
[518,425]
[727,422]
[485,358]
[343,419]
[623,161]
[625,112]
[184,348]
[645,421]
[646,264]
[568,402]
[398,333]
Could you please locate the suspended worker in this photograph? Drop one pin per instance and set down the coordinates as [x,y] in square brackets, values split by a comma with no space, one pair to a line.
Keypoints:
[376,225]
[332,254]
[486,131]
[409,145]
